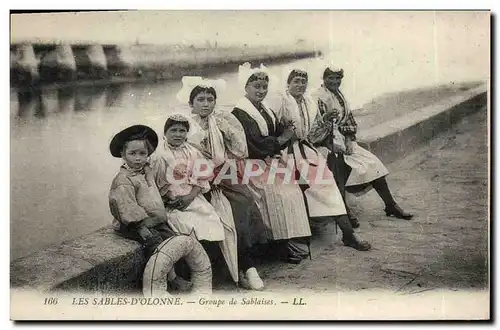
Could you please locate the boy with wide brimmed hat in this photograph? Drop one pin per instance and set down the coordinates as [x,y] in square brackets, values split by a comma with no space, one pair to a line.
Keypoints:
[134,199]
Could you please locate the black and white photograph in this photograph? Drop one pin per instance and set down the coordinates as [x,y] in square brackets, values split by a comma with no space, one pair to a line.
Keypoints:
[250,165]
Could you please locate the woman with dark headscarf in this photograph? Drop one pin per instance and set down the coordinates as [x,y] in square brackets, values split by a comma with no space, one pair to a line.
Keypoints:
[281,204]
[356,169]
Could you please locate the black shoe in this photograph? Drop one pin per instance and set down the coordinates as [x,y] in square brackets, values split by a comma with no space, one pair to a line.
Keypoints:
[294,253]
[398,212]
[353,220]
[356,244]
[305,255]
[294,258]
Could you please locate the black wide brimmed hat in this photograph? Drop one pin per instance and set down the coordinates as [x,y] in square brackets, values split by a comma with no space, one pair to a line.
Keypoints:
[136,132]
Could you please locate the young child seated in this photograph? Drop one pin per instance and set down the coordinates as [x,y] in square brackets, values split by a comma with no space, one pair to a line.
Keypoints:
[182,187]
[134,199]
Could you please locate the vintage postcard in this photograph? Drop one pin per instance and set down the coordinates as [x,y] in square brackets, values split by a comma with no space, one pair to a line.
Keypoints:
[250,165]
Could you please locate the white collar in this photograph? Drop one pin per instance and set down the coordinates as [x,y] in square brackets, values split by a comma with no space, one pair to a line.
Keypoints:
[247,106]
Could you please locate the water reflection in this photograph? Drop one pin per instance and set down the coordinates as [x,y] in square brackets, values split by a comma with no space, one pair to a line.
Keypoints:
[115,94]
[39,103]
[30,104]
[49,101]
[66,99]
[87,97]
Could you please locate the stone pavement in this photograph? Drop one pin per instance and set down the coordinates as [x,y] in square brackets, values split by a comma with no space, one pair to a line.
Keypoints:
[445,246]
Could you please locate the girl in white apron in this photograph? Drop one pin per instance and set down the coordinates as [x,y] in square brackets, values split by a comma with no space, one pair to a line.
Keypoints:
[189,213]
[356,169]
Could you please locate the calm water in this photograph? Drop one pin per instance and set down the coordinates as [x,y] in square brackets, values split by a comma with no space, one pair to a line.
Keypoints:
[61,168]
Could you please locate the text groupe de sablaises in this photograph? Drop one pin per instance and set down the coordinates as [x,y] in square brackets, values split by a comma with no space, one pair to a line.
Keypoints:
[116,301]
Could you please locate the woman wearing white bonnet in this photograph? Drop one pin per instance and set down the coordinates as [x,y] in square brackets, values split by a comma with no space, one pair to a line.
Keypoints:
[356,169]
[325,202]
[282,205]
[220,137]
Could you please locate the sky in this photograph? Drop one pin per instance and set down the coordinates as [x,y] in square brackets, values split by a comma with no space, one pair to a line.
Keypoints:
[227,27]
[237,27]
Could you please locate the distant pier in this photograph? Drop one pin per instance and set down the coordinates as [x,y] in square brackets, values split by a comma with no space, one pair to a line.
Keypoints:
[35,65]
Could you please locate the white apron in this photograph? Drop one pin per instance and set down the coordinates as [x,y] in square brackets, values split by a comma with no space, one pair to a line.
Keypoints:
[323,198]
[366,167]
[199,219]
[282,205]
[211,140]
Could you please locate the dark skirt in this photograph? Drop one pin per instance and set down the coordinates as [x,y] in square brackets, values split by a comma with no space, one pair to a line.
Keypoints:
[247,217]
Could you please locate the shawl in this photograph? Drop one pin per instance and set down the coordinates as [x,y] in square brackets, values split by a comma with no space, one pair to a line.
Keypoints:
[334,101]
[221,136]
[247,106]
[302,116]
